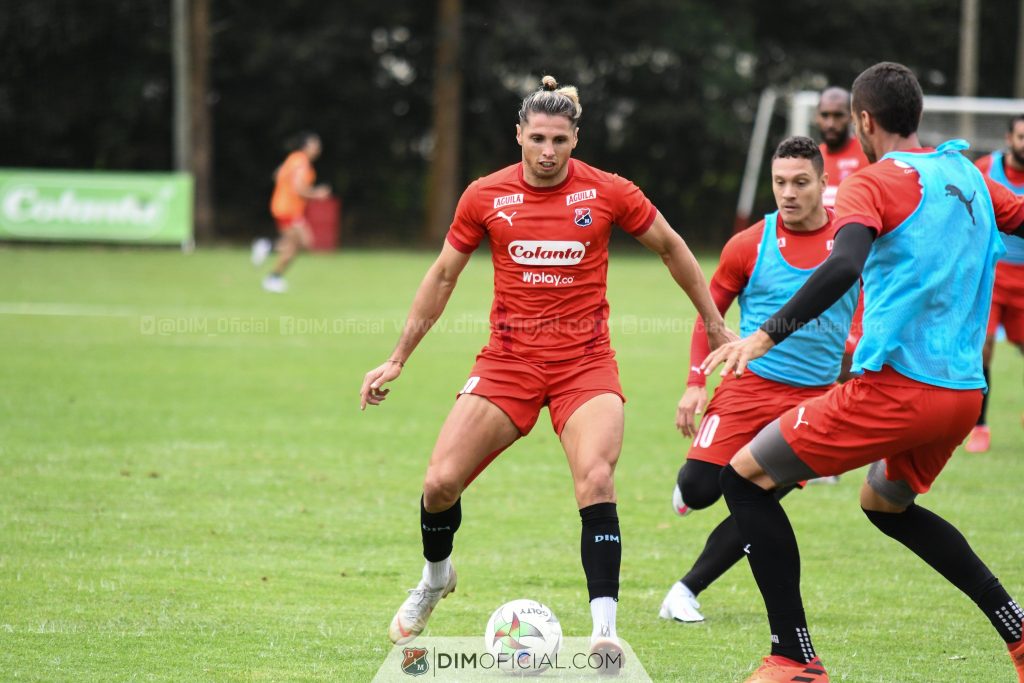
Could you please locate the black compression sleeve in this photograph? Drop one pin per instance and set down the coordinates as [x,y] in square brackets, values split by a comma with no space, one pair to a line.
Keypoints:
[828,283]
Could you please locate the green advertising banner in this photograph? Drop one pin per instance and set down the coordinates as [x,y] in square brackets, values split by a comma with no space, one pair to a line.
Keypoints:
[88,205]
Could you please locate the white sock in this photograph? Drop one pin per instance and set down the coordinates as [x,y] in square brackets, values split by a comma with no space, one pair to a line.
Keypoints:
[435,574]
[603,612]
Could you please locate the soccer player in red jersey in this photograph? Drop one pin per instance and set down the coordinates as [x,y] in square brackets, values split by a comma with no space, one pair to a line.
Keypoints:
[1006,167]
[762,266]
[922,226]
[840,150]
[548,220]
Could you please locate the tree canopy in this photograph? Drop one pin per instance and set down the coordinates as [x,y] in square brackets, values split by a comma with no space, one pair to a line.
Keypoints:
[669,89]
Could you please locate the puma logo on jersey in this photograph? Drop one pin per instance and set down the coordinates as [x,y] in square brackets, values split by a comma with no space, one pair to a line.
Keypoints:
[502,214]
[954,191]
[800,418]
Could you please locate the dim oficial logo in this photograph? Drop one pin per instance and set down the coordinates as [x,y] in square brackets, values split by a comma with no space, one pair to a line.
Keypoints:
[414,661]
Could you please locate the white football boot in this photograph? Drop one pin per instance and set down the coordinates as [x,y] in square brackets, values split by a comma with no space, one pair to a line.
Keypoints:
[605,644]
[681,508]
[412,616]
[680,604]
[275,284]
[261,248]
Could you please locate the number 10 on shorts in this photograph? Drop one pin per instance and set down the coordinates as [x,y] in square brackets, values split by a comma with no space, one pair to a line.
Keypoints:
[706,434]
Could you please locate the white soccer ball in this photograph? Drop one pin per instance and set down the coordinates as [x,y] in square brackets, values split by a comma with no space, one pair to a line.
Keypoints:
[524,636]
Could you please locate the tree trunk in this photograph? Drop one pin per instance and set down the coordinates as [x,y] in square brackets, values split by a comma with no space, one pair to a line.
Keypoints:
[202,128]
[442,185]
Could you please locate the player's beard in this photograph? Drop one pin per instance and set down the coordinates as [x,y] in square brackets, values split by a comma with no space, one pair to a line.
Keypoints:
[835,140]
[1018,157]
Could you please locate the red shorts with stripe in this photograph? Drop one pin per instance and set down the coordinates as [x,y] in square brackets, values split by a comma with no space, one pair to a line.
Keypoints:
[522,387]
[914,427]
[740,408]
[1008,302]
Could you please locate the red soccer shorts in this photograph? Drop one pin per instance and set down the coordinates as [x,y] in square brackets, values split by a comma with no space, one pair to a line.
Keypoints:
[1008,302]
[286,223]
[742,407]
[914,427]
[521,387]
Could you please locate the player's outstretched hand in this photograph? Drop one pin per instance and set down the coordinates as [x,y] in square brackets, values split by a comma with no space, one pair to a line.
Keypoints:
[734,356]
[692,403]
[717,336]
[372,392]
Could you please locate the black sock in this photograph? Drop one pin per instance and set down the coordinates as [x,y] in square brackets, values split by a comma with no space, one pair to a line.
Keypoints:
[722,550]
[945,549]
[438,530]
[984,397]
[771,549]
[601,549]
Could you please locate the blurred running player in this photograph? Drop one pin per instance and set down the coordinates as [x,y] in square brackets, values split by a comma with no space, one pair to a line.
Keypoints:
[1006,168]
[922,225]
[763,266]
[548,220]
[293,187]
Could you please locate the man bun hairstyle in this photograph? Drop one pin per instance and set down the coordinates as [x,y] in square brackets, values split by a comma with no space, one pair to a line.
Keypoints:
[552,100]
[800,147]
[891,94]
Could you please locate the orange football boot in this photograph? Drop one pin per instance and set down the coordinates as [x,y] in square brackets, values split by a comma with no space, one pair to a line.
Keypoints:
[784,670]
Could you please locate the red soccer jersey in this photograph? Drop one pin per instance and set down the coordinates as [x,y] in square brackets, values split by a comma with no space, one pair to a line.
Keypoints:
[549,247]
[1013,175]
[736,265]
[841,165]
[884,195]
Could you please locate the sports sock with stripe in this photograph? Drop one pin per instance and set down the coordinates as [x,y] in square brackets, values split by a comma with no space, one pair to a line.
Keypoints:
[945,549]
[774,558]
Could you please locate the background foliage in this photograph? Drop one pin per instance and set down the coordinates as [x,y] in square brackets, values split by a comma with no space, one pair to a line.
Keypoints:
[669,89]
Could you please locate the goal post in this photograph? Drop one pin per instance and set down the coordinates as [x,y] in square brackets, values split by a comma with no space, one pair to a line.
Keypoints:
[982,121]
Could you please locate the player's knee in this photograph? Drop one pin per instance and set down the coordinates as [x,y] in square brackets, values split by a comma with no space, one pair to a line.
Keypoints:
[439,491]
[699,485]
[597,484]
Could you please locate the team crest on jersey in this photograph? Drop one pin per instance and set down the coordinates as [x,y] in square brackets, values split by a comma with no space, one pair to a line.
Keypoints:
[583,217]
[508,200]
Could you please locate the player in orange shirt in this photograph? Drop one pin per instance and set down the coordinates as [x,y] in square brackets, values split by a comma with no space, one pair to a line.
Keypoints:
[923,226]
[1006,167]
[293,187]
[548,221]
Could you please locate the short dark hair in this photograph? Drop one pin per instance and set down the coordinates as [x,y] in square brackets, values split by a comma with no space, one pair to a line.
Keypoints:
[800,147]
[300,139]
[1013,122]
[891,94]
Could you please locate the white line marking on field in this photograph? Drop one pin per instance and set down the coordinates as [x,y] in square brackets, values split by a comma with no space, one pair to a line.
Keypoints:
[65,310]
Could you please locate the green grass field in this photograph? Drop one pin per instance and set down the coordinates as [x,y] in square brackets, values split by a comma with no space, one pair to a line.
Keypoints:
[190,492]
